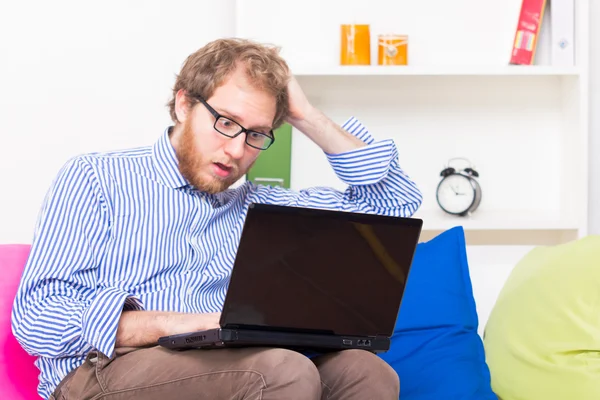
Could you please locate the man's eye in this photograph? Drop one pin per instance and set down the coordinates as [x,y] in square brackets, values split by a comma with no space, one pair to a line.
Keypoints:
[255,135]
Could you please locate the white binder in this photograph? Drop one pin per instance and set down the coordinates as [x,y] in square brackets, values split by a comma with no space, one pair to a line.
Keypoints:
[562,17]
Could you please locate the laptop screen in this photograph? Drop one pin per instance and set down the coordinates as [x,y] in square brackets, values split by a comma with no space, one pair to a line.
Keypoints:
[322,271]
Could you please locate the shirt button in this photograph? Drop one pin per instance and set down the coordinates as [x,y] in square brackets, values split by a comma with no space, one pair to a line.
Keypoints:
[190,292]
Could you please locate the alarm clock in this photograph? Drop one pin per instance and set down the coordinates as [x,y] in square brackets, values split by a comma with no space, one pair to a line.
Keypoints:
[459,192]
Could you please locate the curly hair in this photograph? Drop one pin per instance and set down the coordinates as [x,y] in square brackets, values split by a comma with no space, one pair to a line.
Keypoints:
[207,69]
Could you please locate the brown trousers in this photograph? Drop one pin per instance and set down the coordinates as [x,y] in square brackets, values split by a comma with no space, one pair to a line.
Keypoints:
[251,374]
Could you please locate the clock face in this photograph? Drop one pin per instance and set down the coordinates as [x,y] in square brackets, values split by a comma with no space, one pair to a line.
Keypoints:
[455,194]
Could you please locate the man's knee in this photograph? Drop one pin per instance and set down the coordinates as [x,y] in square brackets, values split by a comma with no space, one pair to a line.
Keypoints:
[369,372]
[388,381]
[371,368]
[288,373]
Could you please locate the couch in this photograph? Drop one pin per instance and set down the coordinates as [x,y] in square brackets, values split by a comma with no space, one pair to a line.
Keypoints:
[18,374]
[437,348]
[438,318]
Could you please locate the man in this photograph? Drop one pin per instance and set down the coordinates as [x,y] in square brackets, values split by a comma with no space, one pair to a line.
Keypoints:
[138,244]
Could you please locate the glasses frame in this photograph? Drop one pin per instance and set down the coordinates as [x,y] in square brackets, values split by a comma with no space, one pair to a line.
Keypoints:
[242,129]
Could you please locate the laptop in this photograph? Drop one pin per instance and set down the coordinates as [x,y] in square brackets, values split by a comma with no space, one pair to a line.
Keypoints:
[313,280]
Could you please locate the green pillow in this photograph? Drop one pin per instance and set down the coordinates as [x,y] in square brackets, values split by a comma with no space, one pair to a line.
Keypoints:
[542,339]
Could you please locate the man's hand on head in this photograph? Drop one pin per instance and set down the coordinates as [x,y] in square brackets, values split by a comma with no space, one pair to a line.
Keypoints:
[330,137]
[299,106]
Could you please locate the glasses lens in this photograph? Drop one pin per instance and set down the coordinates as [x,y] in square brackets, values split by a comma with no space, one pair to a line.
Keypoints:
[227,126]
[259,140]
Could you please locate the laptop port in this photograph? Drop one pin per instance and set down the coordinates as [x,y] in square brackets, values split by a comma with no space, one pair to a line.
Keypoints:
[347,342]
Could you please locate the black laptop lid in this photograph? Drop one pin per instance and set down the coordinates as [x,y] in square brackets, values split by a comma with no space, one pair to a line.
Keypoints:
[323,271]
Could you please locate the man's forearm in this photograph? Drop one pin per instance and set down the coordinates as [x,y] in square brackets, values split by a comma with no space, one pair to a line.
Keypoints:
[141,328]
[330,137]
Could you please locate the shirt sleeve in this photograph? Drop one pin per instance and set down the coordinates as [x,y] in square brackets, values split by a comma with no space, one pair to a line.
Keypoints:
[376,182]
[59,309]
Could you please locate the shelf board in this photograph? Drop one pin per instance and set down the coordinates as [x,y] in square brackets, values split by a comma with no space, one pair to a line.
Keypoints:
[496,220]
[376,70]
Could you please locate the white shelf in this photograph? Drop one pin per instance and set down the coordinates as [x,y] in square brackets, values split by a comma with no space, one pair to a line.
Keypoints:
[524,127]
[496,220]
[376,70]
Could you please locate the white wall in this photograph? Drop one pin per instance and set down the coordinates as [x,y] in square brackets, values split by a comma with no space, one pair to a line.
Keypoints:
[595,118]
[82,76]
[78,77]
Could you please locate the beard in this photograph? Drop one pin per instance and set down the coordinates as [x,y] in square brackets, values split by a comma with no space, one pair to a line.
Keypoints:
[198,170]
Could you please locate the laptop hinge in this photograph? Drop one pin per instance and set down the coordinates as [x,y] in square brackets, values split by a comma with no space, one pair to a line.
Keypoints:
[277,329]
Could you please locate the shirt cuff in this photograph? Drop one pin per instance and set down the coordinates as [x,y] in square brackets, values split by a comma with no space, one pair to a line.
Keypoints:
[366,165]
[101,318]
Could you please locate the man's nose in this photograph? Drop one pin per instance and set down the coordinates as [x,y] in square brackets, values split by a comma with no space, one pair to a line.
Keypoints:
[235,147]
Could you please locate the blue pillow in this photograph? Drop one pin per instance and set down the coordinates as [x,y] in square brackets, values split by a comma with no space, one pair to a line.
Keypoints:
[436,349]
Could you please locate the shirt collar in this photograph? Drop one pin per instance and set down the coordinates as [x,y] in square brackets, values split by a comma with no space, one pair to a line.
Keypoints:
[166,164]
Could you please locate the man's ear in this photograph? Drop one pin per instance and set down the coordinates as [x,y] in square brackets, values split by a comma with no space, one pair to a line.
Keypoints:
[182,105]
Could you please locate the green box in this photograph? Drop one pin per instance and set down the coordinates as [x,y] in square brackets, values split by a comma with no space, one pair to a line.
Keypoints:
[273,166]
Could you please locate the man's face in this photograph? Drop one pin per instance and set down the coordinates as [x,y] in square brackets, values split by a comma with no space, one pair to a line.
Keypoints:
[209,160]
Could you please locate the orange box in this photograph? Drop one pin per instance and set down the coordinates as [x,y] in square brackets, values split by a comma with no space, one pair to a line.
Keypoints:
[355,45]
[392,50]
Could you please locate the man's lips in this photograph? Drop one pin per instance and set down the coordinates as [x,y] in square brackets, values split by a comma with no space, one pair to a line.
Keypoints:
[223,170]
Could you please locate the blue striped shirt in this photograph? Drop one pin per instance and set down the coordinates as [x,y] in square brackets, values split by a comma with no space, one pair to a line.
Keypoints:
[125,230]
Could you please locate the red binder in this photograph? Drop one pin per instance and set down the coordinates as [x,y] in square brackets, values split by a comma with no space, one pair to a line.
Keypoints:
[528,30]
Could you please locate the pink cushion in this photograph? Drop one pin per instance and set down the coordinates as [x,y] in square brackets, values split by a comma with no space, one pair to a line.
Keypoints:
[18,374]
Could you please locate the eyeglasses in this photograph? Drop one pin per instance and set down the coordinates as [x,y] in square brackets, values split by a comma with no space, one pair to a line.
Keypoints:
[228,127]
